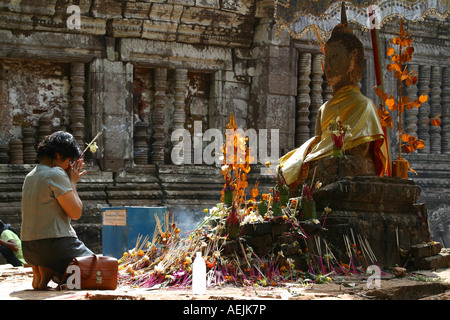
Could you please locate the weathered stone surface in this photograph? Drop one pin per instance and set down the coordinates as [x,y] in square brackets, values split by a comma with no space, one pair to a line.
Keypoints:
[31,7]
[369,193]
[381,231]
[438,261]
[110,85]
[125,28]
[106,9]
[408,291]
[175,55]
[137,10]
[57,46]
[440,225]
[166,12]
[433,177]
[428,249]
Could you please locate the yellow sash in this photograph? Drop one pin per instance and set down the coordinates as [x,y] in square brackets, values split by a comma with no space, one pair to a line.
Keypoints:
[355,110]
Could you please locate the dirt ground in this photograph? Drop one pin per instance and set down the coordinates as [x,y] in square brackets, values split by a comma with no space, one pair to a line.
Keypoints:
[15,284]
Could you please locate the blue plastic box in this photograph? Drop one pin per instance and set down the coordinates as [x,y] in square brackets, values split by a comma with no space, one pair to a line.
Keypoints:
[121,227]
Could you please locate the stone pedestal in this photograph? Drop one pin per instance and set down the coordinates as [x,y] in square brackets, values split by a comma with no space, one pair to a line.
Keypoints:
[382,210]
[378,217]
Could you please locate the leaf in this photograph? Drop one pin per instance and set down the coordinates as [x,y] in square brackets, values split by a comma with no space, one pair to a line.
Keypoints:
[420,144]
[405,137]
[417,103]
[390,51]
[436,122]
[385,118]
[408,81]
[391,104]
[396,40]
[404,74]
[407,149]
[409,50]
[412,140]
[409,105]
[423,98]
[405,42]
[405,99]
[378,91]
[405,58]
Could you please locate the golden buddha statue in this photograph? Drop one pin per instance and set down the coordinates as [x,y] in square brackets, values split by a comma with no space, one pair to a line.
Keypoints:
[344,65]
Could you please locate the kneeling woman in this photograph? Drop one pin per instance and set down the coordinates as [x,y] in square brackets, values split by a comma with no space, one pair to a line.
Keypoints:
[49,202]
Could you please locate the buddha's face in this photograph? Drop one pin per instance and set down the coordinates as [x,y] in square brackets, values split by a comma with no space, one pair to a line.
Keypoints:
[338,63]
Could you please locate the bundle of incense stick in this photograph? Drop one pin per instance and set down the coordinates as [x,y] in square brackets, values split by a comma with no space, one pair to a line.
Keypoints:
[90,143]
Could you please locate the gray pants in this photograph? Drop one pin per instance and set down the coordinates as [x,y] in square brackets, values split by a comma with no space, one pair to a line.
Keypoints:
[54,253]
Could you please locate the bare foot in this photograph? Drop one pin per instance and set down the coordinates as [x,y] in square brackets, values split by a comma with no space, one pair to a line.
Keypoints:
[46,275]
[36,277]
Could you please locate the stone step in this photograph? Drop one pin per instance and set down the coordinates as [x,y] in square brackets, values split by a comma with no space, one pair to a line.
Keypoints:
[425,249]
[438,261]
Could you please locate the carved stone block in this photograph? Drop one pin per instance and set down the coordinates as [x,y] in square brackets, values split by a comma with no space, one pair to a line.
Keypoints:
[108,9]
[137,10]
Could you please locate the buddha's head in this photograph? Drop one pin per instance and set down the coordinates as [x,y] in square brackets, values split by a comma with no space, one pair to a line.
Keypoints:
[344,56]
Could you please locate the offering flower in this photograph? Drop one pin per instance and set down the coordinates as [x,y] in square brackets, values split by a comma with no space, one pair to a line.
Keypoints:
[92,146]
[232,224]
[308,192]
[338,132]
[236,164]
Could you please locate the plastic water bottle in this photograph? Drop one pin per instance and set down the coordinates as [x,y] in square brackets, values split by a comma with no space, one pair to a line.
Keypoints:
[199,275]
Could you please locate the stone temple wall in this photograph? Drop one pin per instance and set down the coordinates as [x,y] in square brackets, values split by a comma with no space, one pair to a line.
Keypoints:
[139,70]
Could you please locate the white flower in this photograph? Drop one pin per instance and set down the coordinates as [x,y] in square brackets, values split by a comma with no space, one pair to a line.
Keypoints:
[159,268]
[290,261]
[252,217]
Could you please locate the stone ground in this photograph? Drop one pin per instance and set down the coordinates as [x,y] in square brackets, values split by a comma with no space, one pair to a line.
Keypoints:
[15,284]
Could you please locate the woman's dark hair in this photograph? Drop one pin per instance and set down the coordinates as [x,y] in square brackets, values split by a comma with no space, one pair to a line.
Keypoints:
[58,142]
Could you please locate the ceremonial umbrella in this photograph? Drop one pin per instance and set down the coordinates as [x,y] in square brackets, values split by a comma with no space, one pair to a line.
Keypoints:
[300,16]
